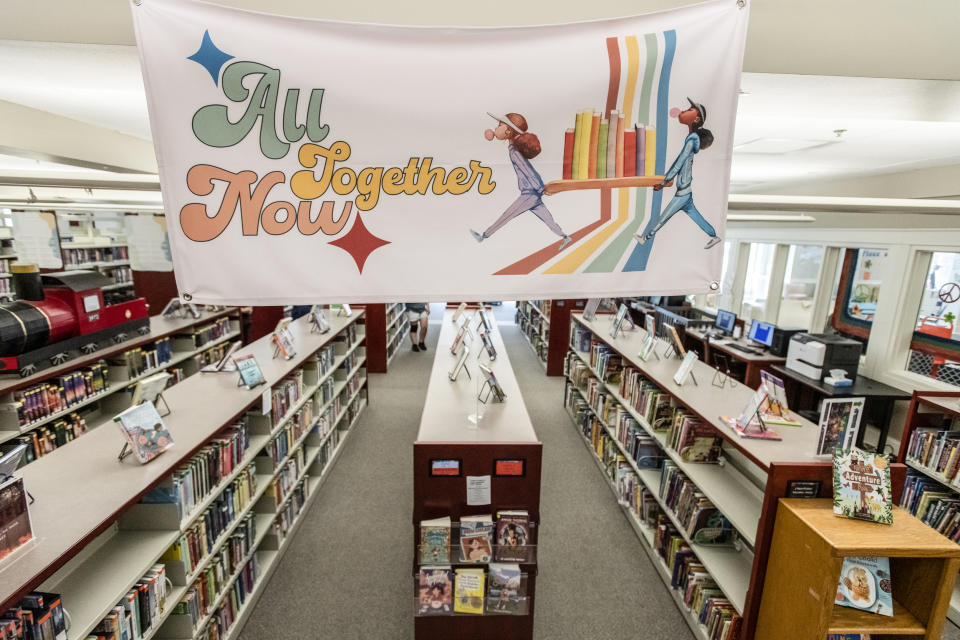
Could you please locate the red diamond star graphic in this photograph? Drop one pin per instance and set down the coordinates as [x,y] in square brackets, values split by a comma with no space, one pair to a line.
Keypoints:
[359,243]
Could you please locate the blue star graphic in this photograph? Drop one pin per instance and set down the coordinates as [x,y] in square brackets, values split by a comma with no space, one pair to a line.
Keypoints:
[210,57]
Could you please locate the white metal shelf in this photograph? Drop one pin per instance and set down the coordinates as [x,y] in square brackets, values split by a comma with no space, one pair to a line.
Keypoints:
[730,491]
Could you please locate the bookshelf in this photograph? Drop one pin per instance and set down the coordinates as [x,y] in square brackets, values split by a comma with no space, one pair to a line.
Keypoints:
[106,254]
[533,318]
[735,488]
[93,557]
[931,420]
[188,344]
[8,255]
[386,331]
[504,433]
[397,329]
[545,324]
[797,597]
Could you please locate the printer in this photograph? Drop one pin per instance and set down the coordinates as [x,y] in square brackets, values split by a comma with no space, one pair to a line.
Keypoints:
[816,354]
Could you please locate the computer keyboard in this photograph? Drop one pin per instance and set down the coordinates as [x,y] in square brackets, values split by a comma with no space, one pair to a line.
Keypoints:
[738,347]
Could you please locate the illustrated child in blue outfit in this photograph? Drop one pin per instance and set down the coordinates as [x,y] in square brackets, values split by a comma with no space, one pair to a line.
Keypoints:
[682,169]
[523,147]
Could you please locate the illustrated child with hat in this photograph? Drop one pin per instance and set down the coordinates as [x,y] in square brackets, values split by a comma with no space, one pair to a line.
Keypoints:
[697,140]
[523,146]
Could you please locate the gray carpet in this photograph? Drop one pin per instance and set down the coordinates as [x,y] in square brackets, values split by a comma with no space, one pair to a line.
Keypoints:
[347,574]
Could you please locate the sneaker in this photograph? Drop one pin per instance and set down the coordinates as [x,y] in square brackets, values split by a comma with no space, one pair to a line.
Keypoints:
[415,348]
[641,239]
[477,236]
[423,347]
[712,242]
[563,243]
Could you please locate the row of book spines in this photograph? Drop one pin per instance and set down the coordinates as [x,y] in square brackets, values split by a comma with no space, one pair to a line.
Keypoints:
[608,148]
[196,543]
[135,615]
[287,516]
[204,591]
[39,615]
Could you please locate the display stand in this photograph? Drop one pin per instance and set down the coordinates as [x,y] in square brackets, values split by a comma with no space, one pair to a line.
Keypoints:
[797,599]
[502,448]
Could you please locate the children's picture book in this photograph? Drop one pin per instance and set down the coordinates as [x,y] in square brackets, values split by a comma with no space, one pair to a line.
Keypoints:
[488,345]
[775,409]
[590,309]
[148,389]
[485,320]
[476,538]
[249,371]
[15,527]
[491,378]
[318,318]
[144,431]
[839,424]
[750,423]
[435,541]
[865,584]
[676,341]
[458,340]
[513,535]
[459,312]
[461,364]
[469,588]
[861,486]
[650,323]
[224,364]
[436,591]
[503,590]
[173,309]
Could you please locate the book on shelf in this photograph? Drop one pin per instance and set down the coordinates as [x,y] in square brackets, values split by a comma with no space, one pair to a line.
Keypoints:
[250,373]
[839,424]
[513,535]
[865,584]
[469,588]
[144,431]
[861,485]
[436,591]
[476,538]
[848,636]
[504,590]
[435,541]
[931,504]
[694,439]
[936,449]
[283,342]
[150,388]
[38,616]
[15,527]
[750,423]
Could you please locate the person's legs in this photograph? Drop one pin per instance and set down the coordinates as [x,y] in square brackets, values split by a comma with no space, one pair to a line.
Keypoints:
[691,210]
[423,330]
[676,204]
[521,204]
[540,210]
[413,317]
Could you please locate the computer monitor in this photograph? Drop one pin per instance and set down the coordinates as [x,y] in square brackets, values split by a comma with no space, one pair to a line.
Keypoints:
[725,320]
[761,332]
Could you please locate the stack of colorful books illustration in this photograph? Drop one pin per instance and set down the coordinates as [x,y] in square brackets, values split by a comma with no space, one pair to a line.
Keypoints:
[605,148]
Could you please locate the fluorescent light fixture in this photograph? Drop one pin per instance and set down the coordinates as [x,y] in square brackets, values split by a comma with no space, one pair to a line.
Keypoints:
[768,217]
[777,146]
[748,201]
[81,206]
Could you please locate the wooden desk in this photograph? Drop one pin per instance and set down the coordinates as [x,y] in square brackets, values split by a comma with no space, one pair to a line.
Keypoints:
[806,393]
[754,363]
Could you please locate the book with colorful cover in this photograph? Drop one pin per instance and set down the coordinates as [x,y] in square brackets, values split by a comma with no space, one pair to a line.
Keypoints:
[436,591]
[861,486]
[630,152]
[476,538]
[567,154]
[469,587]
[619,157]
[594,145]
[749,423]
[577,146]
[504,589]
[865,584]
[839,424]
[651,152]
[602,135]
[612,144]
[513,535]
[640,134]
[435,541]
[584,158]
[775,409]
[144,431]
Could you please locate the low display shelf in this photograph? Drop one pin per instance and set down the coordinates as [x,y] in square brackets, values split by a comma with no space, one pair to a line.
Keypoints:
[278,460]
[49,409]
[534,324]
[692,489]
[498,457]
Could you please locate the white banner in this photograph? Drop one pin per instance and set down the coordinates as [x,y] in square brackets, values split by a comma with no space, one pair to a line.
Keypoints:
[308,161]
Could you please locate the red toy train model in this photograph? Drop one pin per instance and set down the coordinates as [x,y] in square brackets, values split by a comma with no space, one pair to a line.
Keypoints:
[59,316]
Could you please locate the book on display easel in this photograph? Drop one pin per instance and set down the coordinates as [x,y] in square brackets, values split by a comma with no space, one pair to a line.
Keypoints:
[250,374]
[461,364]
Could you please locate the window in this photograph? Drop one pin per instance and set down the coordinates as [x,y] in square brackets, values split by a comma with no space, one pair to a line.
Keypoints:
[864,286]
[800,286]
[757,283]
[935,347]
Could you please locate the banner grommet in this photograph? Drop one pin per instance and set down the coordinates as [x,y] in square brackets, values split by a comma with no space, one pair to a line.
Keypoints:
[714,285]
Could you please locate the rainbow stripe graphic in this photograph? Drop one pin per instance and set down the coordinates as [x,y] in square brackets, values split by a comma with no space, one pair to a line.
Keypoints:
[639,88]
